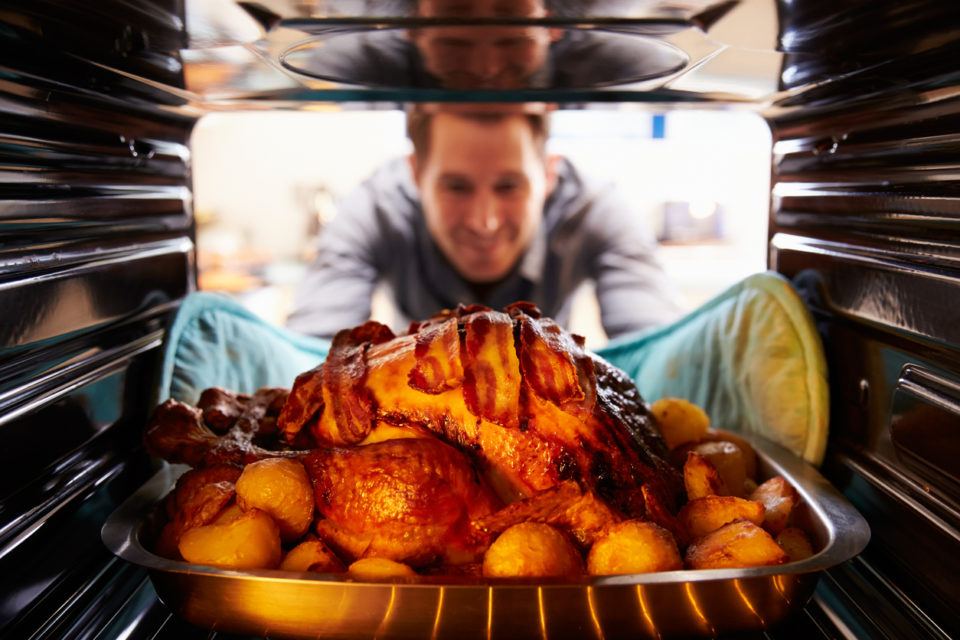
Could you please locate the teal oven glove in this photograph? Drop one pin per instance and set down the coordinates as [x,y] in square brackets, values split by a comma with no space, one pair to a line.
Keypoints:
[215,342]
[750,357]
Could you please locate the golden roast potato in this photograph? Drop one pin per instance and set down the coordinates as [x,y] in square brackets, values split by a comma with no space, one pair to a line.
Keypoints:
[727,458]
[796,543]
[703,515]
[740,543]
[312,555]
[779,498]
[749,455]
[532,549]
[701,478]
[251,540]
[380,569]
[280,487]
[680,421]
[634,546]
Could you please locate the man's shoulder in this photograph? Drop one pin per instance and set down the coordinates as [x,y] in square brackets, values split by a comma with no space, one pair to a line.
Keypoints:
[391,188]
[383,211]
[589,211]
[578,194]
[393,174]
[581,182]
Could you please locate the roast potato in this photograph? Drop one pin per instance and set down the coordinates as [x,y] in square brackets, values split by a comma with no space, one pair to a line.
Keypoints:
[727,458]
[634,546]
[796,543]
[703,515]
[701,478]
[312,555]
[531,549]
[380,569]
[250,540]
[746,449]
[201,506]
[193,481]
[199,495]
[778,498]
[680,421]
[740,543]
[229,513]
[280,487]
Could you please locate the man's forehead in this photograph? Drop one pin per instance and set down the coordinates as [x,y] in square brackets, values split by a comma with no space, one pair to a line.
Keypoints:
[466,146]
[446,121]
[482,8]
[508,136]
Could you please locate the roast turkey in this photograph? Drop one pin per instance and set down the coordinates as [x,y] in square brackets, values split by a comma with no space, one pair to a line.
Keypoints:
[422,446]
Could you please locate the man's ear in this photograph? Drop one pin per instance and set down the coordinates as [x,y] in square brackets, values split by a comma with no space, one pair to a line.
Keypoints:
[552,165]
[556,33]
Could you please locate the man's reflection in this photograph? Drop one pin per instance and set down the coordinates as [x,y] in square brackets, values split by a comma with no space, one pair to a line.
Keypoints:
[487,56]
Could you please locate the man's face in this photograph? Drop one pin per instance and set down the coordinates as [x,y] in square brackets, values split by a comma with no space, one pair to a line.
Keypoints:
[483,57]
[483,185]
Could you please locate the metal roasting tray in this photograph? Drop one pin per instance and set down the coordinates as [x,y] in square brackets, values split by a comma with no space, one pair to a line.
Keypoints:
[284,604]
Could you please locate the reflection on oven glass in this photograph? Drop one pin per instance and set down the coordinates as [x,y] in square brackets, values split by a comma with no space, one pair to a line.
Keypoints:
[288,52]
[485,57]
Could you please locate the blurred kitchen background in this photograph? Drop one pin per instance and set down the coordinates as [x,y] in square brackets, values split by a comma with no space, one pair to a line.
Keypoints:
[266,182]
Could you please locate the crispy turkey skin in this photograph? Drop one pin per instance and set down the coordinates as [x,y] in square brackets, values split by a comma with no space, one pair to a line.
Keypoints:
[523,397]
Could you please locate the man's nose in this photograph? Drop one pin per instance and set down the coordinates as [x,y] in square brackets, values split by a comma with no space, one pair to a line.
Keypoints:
[484,215]
[485,61]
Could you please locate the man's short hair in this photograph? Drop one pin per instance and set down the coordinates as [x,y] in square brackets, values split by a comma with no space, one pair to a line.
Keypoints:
[420,117]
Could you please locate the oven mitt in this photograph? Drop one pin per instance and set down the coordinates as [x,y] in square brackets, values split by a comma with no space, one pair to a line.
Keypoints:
[750,357]
[216,342]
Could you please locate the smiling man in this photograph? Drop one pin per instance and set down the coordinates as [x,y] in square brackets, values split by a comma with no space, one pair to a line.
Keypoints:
[483,181]
[480,213]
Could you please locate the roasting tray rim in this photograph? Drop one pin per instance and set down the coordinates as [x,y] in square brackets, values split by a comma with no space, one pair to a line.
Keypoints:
[844,530]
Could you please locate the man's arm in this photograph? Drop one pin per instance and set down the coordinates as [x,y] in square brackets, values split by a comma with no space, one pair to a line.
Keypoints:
[336,291]
[633,290]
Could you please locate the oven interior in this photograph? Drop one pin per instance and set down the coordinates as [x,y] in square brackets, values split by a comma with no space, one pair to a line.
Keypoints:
[98,103]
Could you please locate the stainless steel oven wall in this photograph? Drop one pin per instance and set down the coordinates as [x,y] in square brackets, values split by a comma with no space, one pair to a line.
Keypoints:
[95,251]
[865,217]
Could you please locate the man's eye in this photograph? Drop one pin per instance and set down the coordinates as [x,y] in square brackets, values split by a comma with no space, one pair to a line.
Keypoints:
[507,188]
[454,44]
[457,187]
[505,43]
